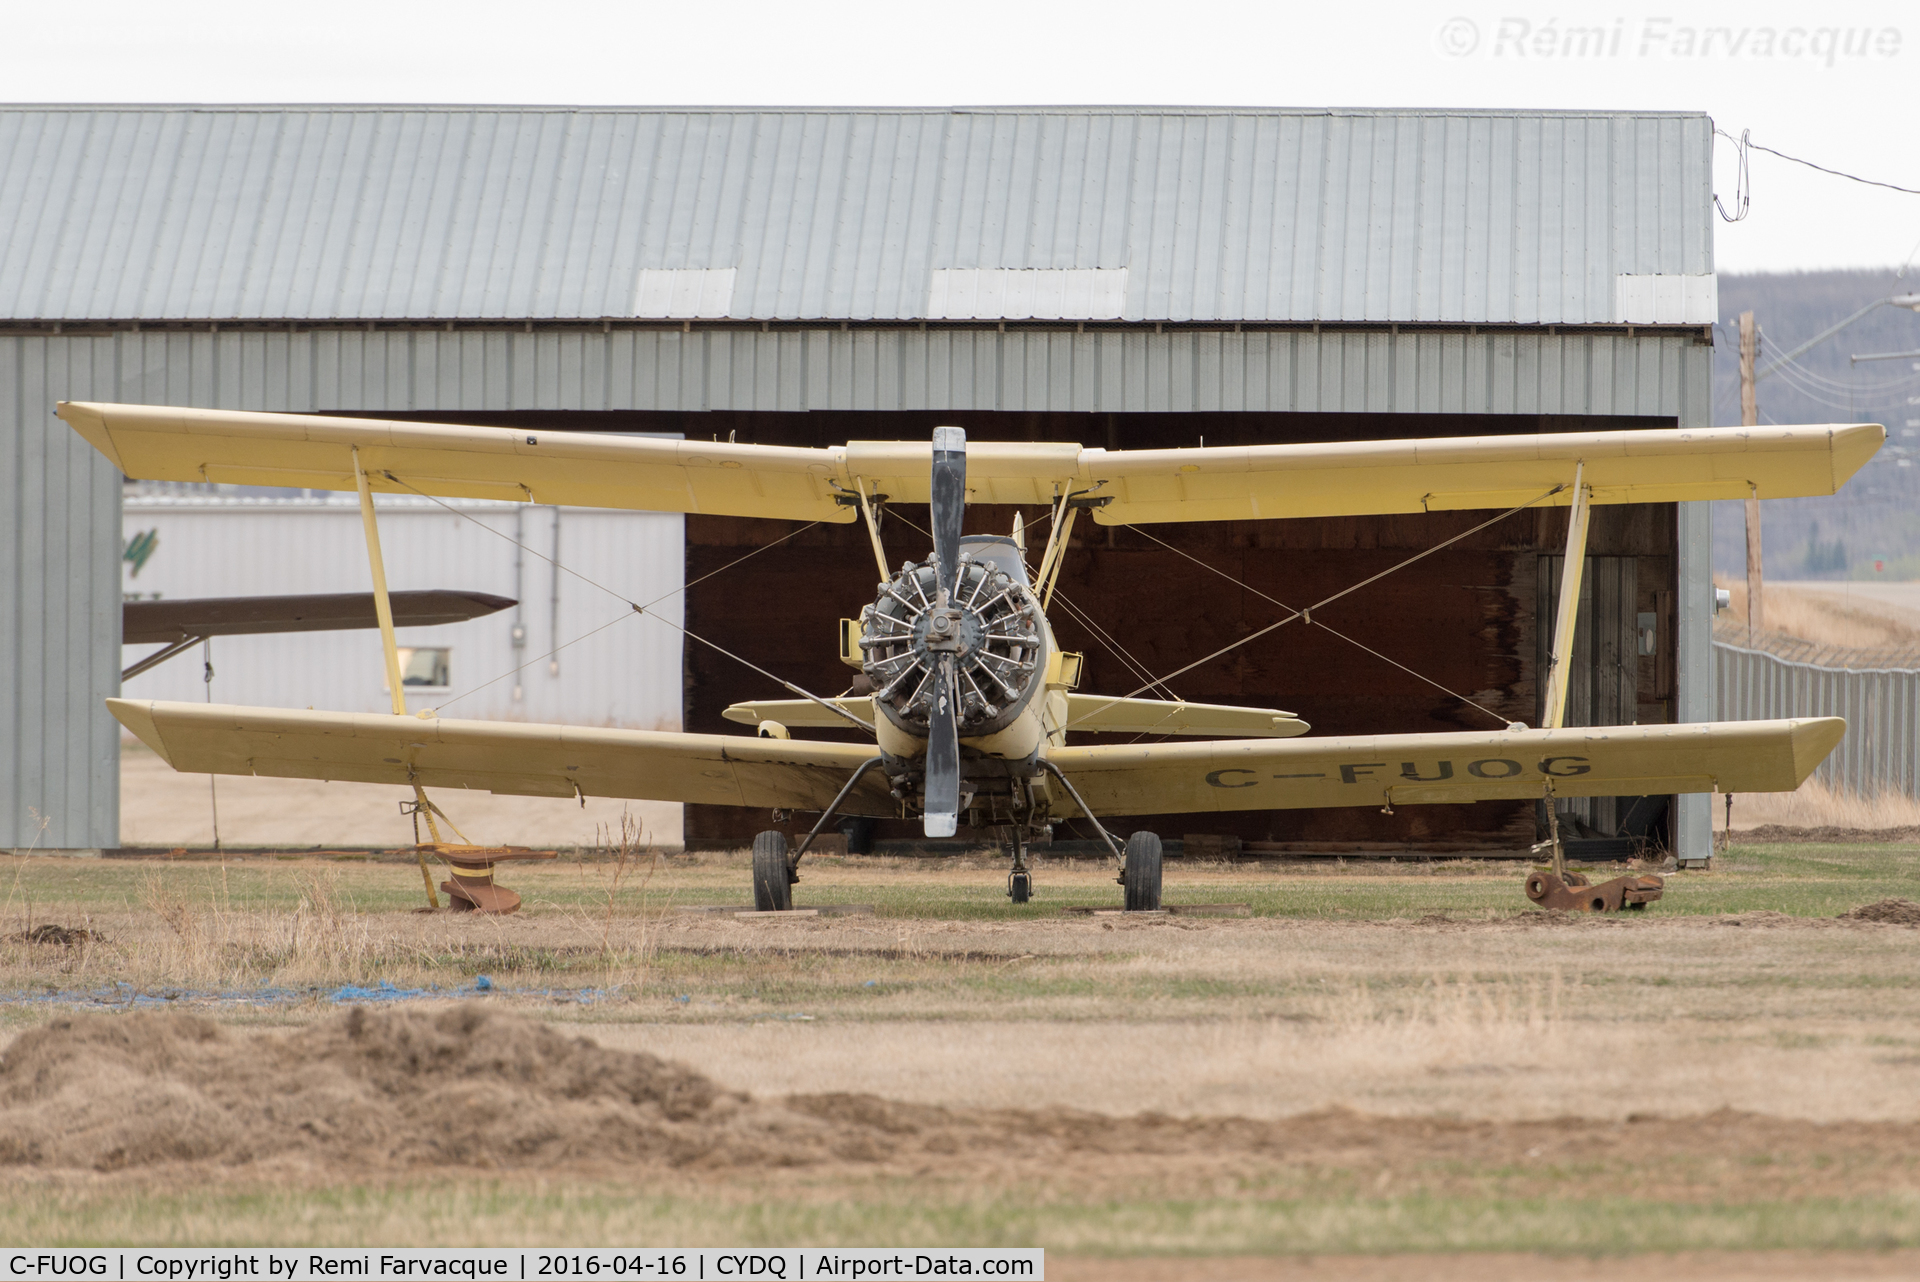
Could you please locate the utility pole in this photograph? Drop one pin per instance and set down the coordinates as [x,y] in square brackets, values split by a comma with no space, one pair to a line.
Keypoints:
[1750,417]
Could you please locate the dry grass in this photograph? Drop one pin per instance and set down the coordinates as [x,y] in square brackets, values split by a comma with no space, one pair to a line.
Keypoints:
[208,943]
[1814,805]
[626,955]
[1826,618]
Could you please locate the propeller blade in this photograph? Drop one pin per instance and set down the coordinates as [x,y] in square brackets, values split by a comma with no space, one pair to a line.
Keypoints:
[949,485]
[942,817]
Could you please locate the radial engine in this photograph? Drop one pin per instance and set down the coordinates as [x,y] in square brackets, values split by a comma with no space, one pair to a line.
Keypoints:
[991,631]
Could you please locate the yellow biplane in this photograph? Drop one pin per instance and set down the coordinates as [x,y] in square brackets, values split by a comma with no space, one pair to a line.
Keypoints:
[969,700]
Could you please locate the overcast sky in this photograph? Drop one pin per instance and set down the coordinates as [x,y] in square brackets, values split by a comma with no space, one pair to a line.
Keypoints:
[1836,83]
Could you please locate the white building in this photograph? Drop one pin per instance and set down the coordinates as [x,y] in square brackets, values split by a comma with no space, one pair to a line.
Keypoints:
[572,651]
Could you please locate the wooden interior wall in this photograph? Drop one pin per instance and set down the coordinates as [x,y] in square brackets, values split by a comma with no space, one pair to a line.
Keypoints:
[1463,617]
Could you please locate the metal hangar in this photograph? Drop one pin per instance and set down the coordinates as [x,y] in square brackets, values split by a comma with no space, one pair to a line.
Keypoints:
[1118,276]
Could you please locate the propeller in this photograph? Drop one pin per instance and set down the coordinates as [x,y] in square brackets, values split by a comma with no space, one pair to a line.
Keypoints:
[949,507]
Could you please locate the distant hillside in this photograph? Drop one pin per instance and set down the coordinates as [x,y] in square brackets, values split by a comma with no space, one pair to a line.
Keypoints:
[1877,517]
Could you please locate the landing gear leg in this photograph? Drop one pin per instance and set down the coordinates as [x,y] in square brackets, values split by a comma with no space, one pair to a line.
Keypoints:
[1020,880]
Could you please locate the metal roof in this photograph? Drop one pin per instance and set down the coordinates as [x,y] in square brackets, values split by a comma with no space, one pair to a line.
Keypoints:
[541,213]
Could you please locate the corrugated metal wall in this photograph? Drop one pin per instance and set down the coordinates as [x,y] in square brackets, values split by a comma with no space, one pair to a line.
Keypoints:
[60,593]
[1424,372]
[627,674]
[229,213]
[1881,750]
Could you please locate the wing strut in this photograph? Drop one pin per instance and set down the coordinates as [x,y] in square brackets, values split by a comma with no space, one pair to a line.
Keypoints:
[383,611]
[1567,616]
[1566,619]
[1056,553]
[867,505]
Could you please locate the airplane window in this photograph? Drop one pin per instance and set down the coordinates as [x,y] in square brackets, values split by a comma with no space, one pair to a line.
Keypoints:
[421,666]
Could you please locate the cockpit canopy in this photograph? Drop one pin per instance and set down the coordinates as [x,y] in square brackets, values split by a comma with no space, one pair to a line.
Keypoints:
[999,551]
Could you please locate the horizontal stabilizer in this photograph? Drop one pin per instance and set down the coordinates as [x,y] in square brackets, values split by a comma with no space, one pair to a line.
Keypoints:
[1102,714]
[802,713]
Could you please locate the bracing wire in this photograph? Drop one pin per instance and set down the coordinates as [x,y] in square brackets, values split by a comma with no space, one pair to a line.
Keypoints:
[647,611]
[618,618]
[1307,613]
[1105,638]
[1152,682]
[1311,622]
[618,596]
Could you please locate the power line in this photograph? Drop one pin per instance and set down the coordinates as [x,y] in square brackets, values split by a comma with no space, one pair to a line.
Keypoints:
[1837,173]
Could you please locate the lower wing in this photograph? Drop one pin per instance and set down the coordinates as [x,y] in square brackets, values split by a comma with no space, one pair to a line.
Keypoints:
[1425,769]
[506,756]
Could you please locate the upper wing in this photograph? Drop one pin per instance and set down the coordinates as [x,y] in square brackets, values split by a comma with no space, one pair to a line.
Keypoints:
[1416,769]
[1131,486]
[505,757]
[576,469]
[1243,483]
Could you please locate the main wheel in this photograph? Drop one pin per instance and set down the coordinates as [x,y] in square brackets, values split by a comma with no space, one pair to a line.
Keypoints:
[1143,872]
[772,873]
[1020,887]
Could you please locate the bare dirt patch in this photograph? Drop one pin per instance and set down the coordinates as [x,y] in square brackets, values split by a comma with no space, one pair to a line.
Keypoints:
[1831,835]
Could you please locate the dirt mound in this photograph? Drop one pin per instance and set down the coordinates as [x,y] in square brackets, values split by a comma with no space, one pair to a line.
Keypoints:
[1899,912]
[464,1086]
[59,936]
[469,1087]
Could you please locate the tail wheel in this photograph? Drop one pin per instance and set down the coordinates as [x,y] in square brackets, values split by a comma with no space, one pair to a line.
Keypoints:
[1143,872]
[772,873]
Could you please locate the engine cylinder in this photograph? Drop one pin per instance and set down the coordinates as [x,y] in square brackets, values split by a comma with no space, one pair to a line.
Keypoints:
[992,628]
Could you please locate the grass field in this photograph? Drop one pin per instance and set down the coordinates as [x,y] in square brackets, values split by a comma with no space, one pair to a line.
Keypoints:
[1407,1057]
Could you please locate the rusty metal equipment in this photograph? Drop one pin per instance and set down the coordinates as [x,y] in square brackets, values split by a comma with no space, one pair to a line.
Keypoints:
[1572,892]
[472,888]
